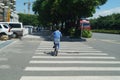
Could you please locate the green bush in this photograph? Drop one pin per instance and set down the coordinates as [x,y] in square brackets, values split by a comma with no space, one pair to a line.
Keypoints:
[87,33]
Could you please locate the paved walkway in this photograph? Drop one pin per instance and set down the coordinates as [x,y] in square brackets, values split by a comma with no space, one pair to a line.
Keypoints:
[5,43]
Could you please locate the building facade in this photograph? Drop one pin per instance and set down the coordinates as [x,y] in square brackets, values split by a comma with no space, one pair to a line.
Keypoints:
[8,11]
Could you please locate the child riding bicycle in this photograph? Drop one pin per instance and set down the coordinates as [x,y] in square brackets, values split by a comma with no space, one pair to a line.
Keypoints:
[56,37]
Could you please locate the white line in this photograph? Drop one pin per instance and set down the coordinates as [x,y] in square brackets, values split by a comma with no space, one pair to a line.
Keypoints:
[72,69]
[62,48]
[3,59]
[72,51]
[78,62]
[111,41]
[100,54]
[45,48]
[70,78]
[74,57]
[4,66]
[79,51]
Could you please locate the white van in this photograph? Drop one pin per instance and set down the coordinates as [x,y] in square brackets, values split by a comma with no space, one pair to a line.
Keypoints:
[16,28]
[5,30]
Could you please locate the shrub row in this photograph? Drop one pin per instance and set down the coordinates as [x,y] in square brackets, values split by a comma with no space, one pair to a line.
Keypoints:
[87,33]
[107,31]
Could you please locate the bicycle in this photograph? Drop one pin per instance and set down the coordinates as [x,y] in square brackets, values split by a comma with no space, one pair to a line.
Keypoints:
[56,46]
[56,50]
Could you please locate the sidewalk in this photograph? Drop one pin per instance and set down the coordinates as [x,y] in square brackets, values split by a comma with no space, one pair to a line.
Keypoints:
[44,35]
[39,36]
[5,43]
[2,42]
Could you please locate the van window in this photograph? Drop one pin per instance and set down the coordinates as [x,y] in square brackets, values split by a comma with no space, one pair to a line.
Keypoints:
[0,26]
[5,26]
[15,25]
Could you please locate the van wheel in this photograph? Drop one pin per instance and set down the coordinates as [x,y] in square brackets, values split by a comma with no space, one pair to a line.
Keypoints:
[14,35]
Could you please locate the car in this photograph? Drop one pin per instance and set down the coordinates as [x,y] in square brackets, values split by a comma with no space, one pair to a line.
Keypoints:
[16,28]
[30,28]
[5,30]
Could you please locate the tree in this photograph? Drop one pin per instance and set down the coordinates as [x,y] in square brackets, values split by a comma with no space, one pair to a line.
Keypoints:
[111,22]
[65,11]
[28,19]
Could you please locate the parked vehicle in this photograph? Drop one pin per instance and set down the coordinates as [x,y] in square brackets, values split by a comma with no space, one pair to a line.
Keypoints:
[85,24]
[16,28]
[5,30]
[85,28]
[30,28]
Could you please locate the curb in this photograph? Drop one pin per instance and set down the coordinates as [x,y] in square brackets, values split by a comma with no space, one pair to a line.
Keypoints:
[3,44]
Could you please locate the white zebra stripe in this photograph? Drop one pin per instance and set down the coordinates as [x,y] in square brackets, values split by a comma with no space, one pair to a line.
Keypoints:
[63,48]
[95,54]
[81,51]
[75,57]
[3,59]
[70,78]
[78,62]
[72,69]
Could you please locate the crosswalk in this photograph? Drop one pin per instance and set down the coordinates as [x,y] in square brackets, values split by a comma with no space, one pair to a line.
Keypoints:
[75,61]
[4,66]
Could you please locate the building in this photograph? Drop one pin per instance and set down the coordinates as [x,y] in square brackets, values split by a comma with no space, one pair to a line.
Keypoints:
[8,11]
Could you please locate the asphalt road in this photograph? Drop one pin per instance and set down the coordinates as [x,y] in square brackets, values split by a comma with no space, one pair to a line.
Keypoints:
[109,43]
[97,58]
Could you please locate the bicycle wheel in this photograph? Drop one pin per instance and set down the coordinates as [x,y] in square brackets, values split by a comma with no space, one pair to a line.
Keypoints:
[56,50]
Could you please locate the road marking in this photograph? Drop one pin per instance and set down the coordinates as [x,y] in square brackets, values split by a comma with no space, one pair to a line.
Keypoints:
[111,41]
[72,69]
[73,62]
[70,78]
[76,57]
[71,51]
[4,66]
[63,48]
[72,54]
[3,59]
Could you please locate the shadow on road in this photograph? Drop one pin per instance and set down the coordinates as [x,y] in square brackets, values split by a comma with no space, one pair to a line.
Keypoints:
[49,53]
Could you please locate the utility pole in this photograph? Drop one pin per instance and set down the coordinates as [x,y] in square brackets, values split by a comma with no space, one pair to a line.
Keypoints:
[29,4]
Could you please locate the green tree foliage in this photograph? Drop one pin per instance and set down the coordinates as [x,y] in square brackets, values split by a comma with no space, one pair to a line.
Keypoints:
[60,10]
[110,22]
[28,19]
[54,12]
